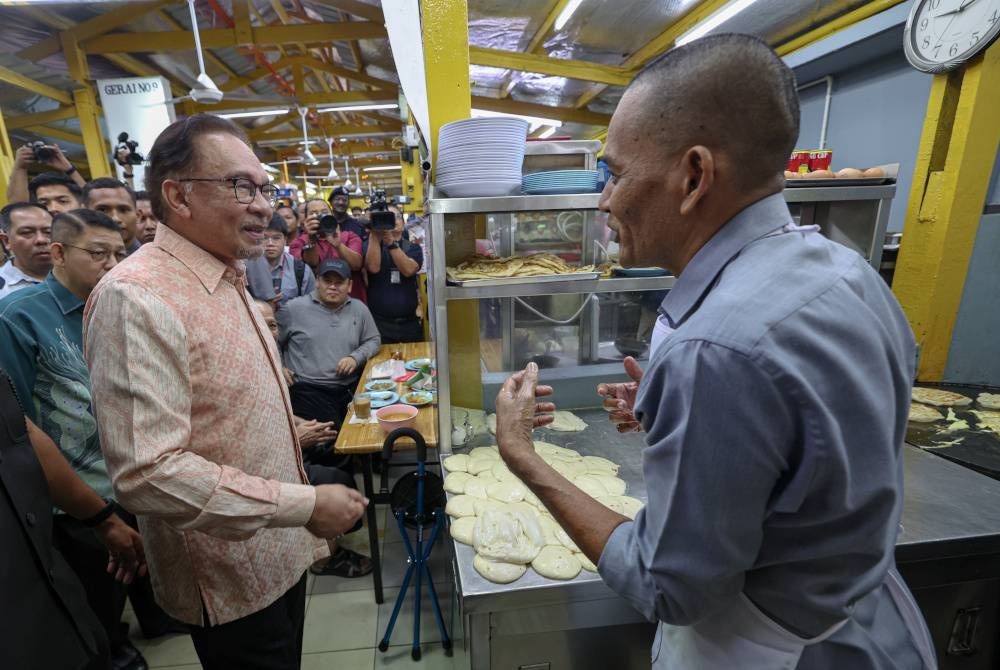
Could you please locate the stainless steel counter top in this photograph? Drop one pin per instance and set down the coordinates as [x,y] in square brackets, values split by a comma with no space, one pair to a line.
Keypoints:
[947,510]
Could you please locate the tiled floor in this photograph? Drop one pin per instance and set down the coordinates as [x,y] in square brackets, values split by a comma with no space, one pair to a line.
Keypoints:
[344,625]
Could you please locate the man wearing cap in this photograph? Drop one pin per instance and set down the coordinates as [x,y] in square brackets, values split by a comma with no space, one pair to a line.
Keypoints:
[339,201]
[325,339]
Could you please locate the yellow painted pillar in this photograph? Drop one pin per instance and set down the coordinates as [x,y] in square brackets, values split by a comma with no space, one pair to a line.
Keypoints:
[6,160]
[445,29]
[957,150]
[87,109]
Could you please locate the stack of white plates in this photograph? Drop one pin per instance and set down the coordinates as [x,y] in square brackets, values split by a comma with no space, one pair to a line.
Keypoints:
[481,157]
[555,182]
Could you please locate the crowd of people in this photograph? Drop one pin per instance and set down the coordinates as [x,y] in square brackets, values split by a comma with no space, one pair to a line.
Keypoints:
[326,291]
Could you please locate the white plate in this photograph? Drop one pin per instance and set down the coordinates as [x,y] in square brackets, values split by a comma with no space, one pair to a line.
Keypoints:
[482,124]
[481,189]
[444,182]
[559,190]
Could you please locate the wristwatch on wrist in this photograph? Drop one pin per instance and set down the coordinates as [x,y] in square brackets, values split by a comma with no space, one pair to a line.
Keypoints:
[100,517]
[70,170]
[307,247]
[394,245]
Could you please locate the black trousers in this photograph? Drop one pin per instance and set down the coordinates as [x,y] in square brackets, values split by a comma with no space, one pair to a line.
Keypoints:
[398,330]
[89,560]
[270,639]
[322,403]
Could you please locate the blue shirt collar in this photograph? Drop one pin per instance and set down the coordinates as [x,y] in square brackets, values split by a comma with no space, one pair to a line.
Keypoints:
[67,301]
[754,222]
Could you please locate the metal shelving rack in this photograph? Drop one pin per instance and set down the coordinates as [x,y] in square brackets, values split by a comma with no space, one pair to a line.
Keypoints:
[854,215]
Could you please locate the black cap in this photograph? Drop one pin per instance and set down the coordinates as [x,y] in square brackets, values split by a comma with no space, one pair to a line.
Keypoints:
[335,265]
[340,190]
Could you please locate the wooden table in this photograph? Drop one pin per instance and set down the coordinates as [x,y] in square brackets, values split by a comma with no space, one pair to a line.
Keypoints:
[366,440]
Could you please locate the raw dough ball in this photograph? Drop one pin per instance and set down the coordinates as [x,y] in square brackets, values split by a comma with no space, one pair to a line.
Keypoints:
[599,466]
[502,473]
[455,482]
[591,485]
[989,400]
[550,528]
[566,422]
[491,423]
[820,174]
[563,454]
[556,562]
[507,491]
[569,469]
[478,465]
[614,485]
[476,487]
[566,540]
[509,535]
[456,463]
[850,173]
[788,175]
[498,571]
[624,505]
[483,504]
[461,505]
[461,529]
[491,453]
[585,562]
[874,173]
[544,448]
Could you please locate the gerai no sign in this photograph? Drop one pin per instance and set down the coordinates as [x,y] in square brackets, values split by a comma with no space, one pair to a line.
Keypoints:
[132,87]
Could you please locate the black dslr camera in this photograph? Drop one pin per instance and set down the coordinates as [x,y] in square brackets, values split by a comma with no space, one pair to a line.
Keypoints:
[40,152]
[133,157]
[381,217]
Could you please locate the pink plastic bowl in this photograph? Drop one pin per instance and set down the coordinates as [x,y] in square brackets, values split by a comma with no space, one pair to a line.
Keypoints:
[389,426]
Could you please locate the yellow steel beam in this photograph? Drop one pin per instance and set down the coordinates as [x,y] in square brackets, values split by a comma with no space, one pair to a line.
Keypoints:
[331,131]
[372,13]
[241,20]
[308,99]
[58,133]
[445,28]
[40,118]
[536,40]
[76,59]
[557,67]
[844,21]
[950,181]
[90,128]
[28,84]
[263,128]
[125,13]
[6,160]
[219,38]
[209,56]
[340,71]
[658,44]
[545,111]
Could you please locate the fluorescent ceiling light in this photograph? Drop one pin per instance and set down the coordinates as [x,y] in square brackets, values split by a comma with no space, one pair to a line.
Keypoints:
[567,12]
[535,121]
[547,133]
[256,112]
[268,168]
[713,21]
[360,108]
[383,168]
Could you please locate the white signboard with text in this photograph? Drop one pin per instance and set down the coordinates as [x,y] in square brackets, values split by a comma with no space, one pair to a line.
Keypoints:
[136,106]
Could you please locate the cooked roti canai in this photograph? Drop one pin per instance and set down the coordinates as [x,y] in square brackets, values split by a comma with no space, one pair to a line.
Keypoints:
[924,414]
[939,397]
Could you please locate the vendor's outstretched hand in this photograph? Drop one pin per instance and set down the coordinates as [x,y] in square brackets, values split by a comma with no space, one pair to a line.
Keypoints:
[619,399]
[518,411]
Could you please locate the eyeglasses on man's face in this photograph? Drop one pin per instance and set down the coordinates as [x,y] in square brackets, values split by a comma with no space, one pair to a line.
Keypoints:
[101,255]
[244,189]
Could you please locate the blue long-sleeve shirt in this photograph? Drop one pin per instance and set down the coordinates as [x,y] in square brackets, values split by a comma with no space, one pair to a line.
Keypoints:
[774,417]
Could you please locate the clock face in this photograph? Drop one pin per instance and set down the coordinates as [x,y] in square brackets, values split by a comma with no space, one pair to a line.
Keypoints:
[943,34]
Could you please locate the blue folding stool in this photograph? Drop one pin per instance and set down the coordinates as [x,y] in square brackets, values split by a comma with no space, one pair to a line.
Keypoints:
[417,552]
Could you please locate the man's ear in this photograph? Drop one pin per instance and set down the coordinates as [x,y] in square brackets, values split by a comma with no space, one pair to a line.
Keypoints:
[175,198]
[5,239]
[698,170]
[58,252]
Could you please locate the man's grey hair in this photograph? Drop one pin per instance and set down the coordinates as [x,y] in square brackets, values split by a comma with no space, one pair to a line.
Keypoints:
[731,93]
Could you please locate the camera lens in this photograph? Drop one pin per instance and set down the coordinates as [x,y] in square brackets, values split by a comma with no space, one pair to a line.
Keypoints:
[327,223]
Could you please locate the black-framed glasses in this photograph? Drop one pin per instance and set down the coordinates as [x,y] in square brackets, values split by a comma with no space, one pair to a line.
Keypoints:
[244,189]
[101,255]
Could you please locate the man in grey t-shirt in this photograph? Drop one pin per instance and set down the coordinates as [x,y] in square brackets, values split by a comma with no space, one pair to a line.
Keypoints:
[326,338]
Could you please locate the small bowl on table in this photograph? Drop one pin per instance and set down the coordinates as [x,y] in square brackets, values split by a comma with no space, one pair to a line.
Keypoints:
[396,416]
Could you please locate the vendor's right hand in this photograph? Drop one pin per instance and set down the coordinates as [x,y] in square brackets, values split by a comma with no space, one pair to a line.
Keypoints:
[337,509]
[619,399]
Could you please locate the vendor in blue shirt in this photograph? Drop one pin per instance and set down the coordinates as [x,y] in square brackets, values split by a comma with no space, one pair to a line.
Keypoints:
[774,404]
[393,265]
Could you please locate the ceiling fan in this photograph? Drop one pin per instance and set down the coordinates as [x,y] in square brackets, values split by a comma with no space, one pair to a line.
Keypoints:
[204,90]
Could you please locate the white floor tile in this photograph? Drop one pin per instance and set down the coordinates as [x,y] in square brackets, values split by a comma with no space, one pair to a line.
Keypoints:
[432,657]
[355,659]
[340,621]
[166,651]
[402,633]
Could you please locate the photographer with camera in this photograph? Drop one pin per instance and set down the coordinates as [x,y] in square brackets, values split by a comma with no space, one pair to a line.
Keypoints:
[322,238]
[49,155]
[393,264]
[339,200]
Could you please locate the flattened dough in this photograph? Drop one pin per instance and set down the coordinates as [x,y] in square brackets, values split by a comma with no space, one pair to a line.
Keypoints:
[501,472]
[455,482]
[498,571]
[507,491]
[461,505]
[508,535]
[461,529]
[491,453]
[585,562]
[591,485]
[939,397]
[614,485]
[483,504]
[476,487]
[989,400]
[556,562]
[456,463]
[569,469]
[924,414]
[550,528]
[567,422]
[624,505]
[478,465]
[599,466]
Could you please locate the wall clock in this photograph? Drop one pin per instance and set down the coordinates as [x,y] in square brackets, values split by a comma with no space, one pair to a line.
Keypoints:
[941,35]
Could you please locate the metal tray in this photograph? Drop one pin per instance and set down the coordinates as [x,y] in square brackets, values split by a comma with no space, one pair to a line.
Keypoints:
[537,279]
[812,183]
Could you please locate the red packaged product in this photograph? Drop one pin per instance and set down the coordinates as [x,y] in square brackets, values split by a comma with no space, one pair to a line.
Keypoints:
[820,160]
[798,161]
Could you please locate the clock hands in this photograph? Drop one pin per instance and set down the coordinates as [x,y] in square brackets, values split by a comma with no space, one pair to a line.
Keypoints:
[961,7]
